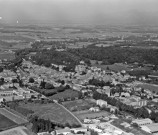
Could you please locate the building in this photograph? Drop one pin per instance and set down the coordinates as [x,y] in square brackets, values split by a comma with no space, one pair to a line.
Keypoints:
[142,122]
[61,131]
[151,128]
[101,103]
[77,130]
[142,103]
[94,109]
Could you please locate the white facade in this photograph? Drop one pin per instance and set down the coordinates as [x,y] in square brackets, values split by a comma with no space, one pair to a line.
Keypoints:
[101,103]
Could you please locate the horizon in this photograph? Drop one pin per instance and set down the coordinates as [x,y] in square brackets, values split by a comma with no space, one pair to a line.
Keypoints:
[91,12]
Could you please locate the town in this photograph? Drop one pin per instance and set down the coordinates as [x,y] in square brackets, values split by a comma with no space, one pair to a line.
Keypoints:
[78,67]
[87,100]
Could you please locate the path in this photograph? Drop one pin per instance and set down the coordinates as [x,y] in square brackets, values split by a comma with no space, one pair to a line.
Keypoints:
[70,113]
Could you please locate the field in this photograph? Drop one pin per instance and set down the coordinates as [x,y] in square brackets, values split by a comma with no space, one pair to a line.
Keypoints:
[151,87]
[5,122]
[51,111]
[78,105]
[12,116]
[21,130]
[115,67]
[87,114]
[8,56]
[65,94]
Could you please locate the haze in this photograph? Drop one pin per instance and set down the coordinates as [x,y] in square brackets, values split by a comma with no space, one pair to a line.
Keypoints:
[137,12]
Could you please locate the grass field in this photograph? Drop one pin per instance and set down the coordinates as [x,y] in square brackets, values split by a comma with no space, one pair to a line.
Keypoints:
[65,94]
[8,56]
[5,122]
[117,67]
[87,114]
[151,87]
[78,105]
[12,116]
[51,111]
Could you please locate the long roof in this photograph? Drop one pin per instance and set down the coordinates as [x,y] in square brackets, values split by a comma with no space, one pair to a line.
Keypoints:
[153,127]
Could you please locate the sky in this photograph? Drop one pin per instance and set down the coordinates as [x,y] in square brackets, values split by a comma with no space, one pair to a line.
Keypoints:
[137,12]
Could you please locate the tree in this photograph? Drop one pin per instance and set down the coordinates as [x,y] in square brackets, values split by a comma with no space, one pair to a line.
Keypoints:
[14,81]
[31,80]
[93,132]
[107,68]
[43,83]
[1,81]
[49,86]
[62,82]
[1,69]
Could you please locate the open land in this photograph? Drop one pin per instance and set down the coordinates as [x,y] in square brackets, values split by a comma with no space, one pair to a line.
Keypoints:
[52,111]
[6,122]
[78,105]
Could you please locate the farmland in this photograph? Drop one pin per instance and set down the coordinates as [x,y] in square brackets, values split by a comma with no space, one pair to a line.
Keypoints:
[78,105]
[14,117]
[5,122]
[65,94]
[114,67]
[7,55]
[51,111]
[87,114]
[151,87]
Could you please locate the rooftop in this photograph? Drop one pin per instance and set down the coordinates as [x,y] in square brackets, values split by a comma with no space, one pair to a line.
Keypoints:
[153,127]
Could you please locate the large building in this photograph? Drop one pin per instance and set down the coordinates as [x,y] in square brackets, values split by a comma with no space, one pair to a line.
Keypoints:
[101,103]
[142,122]
[151,128]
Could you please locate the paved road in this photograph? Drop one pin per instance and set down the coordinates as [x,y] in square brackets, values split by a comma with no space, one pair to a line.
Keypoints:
[70,113]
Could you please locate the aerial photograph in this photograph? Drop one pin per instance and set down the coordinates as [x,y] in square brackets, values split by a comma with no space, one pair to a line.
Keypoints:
[78,67]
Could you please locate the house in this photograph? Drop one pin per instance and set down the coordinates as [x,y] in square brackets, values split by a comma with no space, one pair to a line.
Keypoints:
[61,131]
[77,130]
[142,122]
[142,103]
[87,121]
[44,133]
[151,128]
[94,109]
[2,100]
[113,109]
[125,94]
[101,103]
[95,121]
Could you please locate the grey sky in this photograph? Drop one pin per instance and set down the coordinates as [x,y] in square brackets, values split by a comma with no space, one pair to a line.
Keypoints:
[80,11]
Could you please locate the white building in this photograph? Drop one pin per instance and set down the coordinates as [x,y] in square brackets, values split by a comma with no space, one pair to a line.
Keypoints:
[142,122]
[101,103]
[151,128]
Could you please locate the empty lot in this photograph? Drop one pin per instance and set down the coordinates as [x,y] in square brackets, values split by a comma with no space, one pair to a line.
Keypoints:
[51,111]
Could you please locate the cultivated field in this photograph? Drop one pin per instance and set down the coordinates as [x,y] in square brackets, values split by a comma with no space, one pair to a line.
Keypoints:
[115,67]
[65,94]
[8,56]
[12,116]
[51,111]
[151,87]
[88,114]
[78,105]
[5,122]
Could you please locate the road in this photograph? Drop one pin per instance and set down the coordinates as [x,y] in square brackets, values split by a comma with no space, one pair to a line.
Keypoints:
[69,112]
